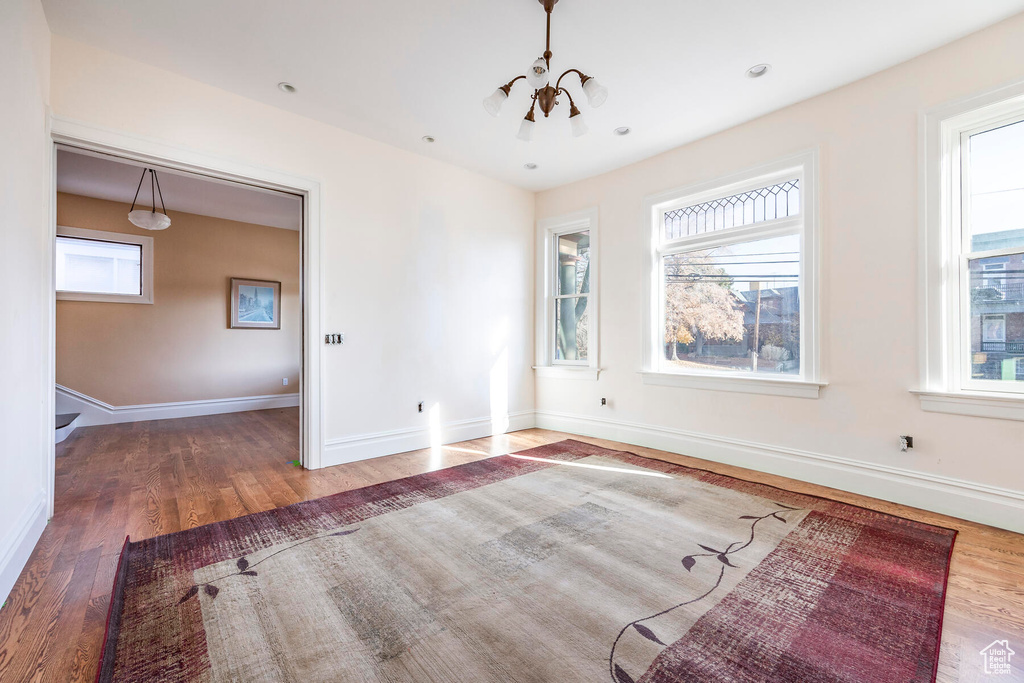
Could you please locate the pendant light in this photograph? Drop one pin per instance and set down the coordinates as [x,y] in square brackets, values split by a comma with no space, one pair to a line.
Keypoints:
[150,220]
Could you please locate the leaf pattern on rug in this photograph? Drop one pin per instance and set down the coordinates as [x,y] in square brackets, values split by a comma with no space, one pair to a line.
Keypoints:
[244,567]
[618,674]
[647,633]
[621,676]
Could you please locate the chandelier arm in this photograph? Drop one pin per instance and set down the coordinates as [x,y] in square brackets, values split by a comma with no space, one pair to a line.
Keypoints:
[507,88]
[583,77]
[565,91]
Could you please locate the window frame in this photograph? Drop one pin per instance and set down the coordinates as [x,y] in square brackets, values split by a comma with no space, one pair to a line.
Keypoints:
[944,281]
[804,167]
[548,232]
[145,242]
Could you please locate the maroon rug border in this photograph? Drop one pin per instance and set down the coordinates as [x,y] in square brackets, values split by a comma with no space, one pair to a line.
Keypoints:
[942,612]
[113,626]
[109,648]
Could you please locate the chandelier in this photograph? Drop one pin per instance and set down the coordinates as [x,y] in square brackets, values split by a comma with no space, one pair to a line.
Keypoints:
[546,95]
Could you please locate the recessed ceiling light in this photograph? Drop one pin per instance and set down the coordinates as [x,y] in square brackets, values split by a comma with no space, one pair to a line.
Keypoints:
[530,166]
[284,86]
[427,138]
[624,130]
[758,70]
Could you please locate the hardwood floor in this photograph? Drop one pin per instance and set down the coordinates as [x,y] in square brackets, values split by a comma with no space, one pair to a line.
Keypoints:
[150,478]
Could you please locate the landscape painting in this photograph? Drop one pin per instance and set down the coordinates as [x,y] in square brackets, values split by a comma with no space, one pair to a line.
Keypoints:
[255,304]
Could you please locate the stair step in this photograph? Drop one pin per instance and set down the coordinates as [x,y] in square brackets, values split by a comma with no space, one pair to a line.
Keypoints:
[64,419]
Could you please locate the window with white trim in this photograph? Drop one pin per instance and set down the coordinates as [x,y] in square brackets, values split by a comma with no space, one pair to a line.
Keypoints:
[972,266]
[567,331]
[732,281]
[990,265]
[92,265]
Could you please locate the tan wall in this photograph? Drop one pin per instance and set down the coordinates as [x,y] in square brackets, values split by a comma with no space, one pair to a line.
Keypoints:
[180,348]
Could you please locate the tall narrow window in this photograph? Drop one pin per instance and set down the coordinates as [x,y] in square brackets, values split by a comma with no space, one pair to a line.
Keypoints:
[572,298]
[732,282]
[567,307]
[972,270]
[991,265]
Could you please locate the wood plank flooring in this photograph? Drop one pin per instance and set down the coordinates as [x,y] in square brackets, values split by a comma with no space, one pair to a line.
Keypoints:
[150,478]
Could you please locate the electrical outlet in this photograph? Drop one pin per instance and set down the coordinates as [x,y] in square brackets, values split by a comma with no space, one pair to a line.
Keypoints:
[284,382]
[906,443]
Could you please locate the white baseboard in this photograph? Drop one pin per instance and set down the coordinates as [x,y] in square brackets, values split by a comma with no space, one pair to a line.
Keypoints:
[17,546]
[96,412]
[982,503]
[375,445]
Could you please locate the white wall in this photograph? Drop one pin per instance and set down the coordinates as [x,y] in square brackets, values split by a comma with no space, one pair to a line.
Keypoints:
[867,134]
[428,268]
[24,272]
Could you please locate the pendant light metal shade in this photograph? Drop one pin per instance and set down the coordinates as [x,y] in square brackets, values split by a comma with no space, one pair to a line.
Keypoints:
[150,220]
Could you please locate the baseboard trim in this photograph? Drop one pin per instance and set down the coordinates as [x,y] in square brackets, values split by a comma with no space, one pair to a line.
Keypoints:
[17,547]
[968,500]
[377,444]
[96,412]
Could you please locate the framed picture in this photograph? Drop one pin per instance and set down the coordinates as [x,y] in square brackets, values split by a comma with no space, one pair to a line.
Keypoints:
[255,304]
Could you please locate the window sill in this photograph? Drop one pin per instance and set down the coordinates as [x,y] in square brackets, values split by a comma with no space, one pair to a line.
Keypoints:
[975,404]
[567,372]
[105,298]
[747,385]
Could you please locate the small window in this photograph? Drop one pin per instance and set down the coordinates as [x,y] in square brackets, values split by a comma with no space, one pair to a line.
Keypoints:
[103,266]
[732,283]
[567,298]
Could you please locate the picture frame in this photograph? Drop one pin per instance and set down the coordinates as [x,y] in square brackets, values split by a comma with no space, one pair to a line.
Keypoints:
[255,304]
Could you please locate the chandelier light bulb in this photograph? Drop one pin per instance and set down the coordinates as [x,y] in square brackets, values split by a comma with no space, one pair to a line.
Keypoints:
[526,129]
[537,75]
[579,126]
[493,103]
[596,93]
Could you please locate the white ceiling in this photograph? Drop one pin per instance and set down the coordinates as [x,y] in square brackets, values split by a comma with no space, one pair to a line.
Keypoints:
[401,69]
[104,177]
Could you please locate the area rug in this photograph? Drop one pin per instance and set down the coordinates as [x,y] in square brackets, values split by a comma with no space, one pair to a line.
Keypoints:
[564,563]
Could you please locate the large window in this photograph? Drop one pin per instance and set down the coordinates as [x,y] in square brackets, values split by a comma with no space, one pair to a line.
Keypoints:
[732,283]
[972,271]
[567,339]
[103,266]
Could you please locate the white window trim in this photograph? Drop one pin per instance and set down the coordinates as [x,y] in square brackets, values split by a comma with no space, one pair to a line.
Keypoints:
[803,166]
[124,238]
[547,230]
[939,288]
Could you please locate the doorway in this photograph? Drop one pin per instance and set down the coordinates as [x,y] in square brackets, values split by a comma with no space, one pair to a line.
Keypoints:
[94,147]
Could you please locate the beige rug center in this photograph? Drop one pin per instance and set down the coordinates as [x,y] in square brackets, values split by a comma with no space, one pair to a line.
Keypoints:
[530,578]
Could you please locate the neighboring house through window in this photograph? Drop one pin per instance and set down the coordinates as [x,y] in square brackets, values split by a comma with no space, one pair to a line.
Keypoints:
[567,313]
[732,283]
[93,265]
